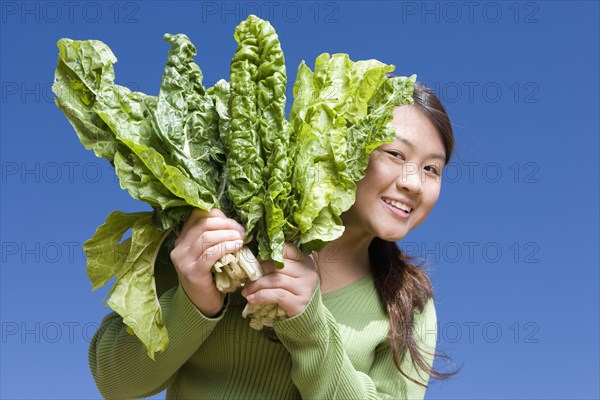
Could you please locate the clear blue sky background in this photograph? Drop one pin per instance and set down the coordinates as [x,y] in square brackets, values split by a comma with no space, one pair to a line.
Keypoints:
[512,243]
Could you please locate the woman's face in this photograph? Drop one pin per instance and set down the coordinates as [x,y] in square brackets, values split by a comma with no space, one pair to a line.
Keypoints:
[403,179]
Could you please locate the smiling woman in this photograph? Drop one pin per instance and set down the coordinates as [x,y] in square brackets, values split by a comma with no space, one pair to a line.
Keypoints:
[400,188]
[425,134]
[403,179]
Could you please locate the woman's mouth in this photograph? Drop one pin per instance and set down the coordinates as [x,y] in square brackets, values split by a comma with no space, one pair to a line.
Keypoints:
[397,207]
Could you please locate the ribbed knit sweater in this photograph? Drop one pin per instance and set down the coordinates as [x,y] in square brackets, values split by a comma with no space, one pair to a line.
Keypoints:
[337,348]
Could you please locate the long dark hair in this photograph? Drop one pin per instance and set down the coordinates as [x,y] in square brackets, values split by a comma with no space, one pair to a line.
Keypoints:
[403,285]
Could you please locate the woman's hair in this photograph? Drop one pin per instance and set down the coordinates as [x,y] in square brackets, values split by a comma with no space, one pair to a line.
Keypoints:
[428,103]
[404,287]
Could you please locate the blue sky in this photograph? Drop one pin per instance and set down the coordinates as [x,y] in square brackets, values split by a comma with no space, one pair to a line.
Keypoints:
[512,245]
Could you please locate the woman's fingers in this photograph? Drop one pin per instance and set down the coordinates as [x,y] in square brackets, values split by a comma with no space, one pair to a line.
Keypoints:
[206,237]
[207,248]
[209,239]
[290,303]
[291,252]
[200,221]
[291,287]
[215,223]
[212,254]
[196,215]
[272,281]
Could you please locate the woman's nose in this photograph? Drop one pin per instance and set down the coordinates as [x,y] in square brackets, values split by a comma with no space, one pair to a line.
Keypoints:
[410,178]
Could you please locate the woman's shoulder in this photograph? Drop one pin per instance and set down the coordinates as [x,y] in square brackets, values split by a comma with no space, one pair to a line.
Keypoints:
[425,325]
[427,314]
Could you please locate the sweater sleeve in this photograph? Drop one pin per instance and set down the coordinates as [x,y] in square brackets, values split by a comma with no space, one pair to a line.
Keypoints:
[321,369]
[119,363]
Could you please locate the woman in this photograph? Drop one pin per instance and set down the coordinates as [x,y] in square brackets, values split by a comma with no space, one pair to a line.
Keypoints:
[361,323]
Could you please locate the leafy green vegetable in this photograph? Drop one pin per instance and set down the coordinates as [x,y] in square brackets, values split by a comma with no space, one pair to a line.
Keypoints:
[132,261]
[258,162]
[140,135]
[141,184]
[338,121]
[186,121]
[76,85]
[229,146]
[245,161]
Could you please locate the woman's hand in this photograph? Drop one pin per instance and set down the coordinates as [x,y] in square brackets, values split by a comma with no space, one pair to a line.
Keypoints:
[291,287]
[205,237]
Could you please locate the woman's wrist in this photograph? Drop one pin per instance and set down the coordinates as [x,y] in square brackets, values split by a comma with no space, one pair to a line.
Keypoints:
[209,305]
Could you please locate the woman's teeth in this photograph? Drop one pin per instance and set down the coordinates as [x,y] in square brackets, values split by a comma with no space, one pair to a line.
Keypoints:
[398,205]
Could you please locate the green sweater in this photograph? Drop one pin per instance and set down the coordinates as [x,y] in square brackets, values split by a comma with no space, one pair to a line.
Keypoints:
[336,348]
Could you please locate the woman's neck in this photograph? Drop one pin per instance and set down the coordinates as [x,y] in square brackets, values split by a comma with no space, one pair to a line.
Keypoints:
[344,260]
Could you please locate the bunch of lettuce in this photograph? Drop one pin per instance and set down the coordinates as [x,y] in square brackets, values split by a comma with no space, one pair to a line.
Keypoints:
[229,146]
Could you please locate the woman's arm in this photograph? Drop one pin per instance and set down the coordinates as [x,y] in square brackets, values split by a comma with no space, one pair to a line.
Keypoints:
[120,364]
[191,308]
[322,369]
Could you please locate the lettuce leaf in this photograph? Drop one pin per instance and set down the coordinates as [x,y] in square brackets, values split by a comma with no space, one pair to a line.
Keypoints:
[143,144]
[127,115]
[186,122]
[83,68]
[133,295]
[339,116]
[141,184]
[258,79]
[245,160]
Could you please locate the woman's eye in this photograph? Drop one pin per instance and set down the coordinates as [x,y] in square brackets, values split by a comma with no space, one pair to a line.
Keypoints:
[396,154]
[434,169]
